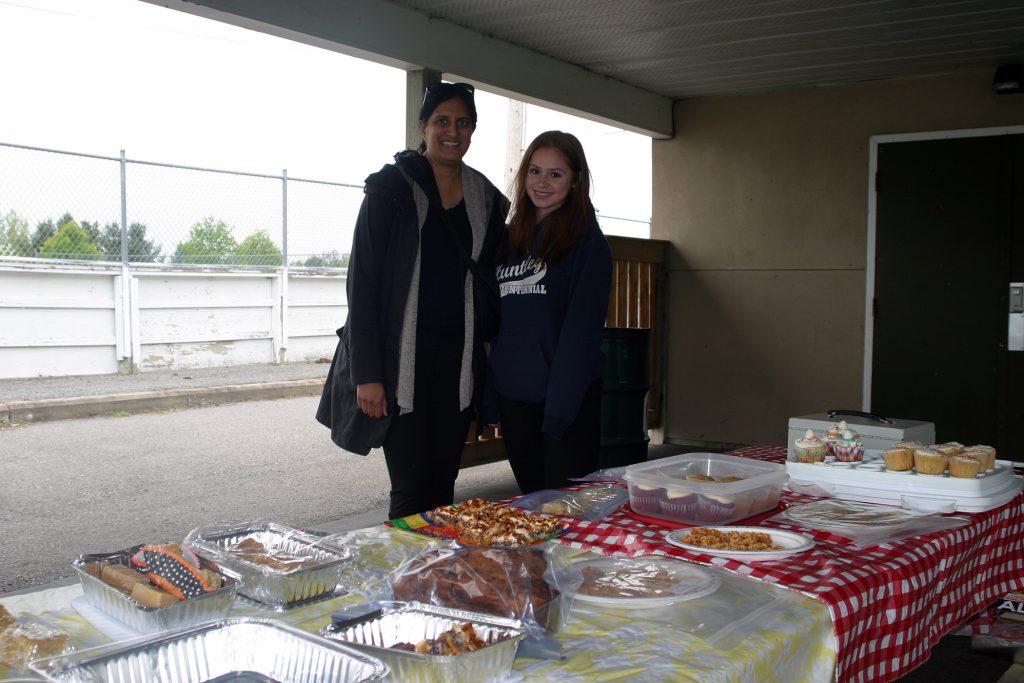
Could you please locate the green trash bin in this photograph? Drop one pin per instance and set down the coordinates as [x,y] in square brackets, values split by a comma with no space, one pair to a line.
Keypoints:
[624,398]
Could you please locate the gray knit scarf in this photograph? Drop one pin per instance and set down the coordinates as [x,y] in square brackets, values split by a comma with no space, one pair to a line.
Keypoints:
[474,190]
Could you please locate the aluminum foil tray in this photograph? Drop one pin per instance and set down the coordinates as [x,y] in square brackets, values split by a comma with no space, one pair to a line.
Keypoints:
[225,650]
[147,620]
[279,589]
[375,633]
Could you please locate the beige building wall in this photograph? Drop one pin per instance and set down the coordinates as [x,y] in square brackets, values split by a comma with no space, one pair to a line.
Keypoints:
[765,200]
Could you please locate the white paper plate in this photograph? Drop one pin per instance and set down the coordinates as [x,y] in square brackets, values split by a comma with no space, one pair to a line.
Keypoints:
[845,513]
[792,543]
[657,580]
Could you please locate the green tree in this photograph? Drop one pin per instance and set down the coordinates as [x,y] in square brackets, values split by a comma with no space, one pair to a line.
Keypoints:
[329,259]
[44,231]
[258,250]
[14,236]
[70,242]
[140,249]
[47,229]
[92,230]
[209,241]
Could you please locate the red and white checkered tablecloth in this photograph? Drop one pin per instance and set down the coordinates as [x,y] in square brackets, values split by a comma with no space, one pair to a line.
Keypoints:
[890,603]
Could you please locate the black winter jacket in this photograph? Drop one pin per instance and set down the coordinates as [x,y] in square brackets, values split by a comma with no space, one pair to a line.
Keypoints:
[384,250]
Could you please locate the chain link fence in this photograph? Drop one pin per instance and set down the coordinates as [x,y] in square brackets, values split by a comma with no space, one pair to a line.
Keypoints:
[79,207]
[69,206]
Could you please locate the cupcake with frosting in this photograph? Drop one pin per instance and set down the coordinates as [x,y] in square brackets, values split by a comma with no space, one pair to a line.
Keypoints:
[810,448]
[929,461]
[679,503]
[830,437]
[848,448]
[716,509]
[645,499]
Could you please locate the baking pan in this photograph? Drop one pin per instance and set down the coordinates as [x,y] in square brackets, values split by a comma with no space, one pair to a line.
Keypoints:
[224,650]
[376,633]
[315,578]
[147,620]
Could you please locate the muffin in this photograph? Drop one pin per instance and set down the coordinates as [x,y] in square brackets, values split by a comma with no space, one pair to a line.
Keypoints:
[645,499]
[810,448]
[948,449]
[716,509]
[912,445]
[965,466]
[848,448]
[986,454]
[898,459]
[929,461]
[679,503]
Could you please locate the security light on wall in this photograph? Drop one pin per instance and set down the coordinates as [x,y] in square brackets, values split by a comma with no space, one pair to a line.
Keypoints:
[1007,80]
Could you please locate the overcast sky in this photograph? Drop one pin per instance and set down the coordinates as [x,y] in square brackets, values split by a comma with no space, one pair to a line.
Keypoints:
[99,76]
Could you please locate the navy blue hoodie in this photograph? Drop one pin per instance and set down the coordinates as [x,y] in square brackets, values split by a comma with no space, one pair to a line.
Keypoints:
[548,348]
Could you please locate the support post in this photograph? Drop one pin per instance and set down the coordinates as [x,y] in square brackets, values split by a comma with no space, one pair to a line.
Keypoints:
[416,83]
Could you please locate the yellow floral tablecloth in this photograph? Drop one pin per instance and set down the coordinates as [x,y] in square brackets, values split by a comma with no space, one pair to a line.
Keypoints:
[744,631]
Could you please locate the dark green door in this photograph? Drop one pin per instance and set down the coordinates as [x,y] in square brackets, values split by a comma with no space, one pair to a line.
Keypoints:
[948,243]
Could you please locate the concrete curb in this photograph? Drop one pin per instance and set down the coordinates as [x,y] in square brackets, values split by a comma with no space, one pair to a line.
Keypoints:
[164,399]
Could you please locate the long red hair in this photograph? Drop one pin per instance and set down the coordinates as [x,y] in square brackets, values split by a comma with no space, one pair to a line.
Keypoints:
[563,226]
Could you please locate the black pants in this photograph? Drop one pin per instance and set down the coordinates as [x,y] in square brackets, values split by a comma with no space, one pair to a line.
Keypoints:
[423,448]
[540,461]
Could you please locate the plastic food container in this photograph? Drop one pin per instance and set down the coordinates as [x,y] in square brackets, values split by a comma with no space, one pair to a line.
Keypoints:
[314,575]
[148,620]
[227,650]
[376,633]
[704,488]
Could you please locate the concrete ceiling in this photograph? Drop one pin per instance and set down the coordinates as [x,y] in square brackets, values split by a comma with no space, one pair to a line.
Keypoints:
[626,61]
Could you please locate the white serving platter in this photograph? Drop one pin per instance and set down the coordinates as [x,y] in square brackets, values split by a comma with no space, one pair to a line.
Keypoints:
[677,581]
[792,543]
[912,491]
[850,514]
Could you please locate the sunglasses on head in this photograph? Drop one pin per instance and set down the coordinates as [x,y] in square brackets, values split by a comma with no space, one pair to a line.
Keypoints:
[434,87]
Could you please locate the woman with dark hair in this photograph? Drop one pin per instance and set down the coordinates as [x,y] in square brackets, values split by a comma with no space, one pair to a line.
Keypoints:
[409,368]
[555,276]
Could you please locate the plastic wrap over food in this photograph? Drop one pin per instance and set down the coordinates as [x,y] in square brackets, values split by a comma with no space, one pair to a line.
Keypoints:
[227,650]
[611,474]
[374,552]
[124,591]
[866,524]
[432,644]
[30,638]
[514,583]
[592,503]
[711,603]
[277,566]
